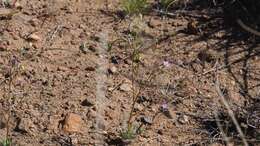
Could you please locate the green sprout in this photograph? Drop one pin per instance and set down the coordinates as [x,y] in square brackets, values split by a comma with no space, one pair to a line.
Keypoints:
[6,142]
[134,6]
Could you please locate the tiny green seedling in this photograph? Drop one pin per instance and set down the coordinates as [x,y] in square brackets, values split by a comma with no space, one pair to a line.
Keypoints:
[6,142]
[134,6]
[129,133]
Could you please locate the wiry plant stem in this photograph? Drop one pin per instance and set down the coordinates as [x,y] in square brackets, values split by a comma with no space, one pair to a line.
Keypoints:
[230,112]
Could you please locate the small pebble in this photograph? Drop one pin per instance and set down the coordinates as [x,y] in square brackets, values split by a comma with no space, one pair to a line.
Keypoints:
[112,70]
[183,119]
[88,102]
[34,37]
[147,120]
[17,5]
[126,87]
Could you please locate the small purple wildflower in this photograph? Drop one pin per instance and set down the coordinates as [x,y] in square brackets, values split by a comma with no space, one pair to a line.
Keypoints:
[164,107]
[166,63]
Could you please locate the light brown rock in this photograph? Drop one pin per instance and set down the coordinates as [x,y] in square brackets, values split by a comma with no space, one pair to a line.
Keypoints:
[112,69]
[126,87]
[73,123]
[17,5]
[183,119]
[34,37]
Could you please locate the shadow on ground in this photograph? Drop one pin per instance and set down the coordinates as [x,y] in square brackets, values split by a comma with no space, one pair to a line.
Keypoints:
[216,24]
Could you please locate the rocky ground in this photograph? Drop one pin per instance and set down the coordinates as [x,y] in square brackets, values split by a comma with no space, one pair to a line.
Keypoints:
[58,56]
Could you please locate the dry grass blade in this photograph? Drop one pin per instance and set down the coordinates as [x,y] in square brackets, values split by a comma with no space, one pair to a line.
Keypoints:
[230,112]
[220,127]
[7,12]
[247,28]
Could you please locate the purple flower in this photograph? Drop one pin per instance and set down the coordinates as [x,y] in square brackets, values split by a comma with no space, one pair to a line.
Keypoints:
[166,63]
[164,106]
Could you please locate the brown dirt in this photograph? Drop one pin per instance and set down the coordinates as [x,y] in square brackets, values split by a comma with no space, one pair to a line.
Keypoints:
[58,79]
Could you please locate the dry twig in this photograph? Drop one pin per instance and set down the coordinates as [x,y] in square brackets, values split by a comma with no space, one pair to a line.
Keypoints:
[230,112]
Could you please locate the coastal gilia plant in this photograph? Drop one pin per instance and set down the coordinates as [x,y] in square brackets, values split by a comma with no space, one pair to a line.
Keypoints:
[134,44]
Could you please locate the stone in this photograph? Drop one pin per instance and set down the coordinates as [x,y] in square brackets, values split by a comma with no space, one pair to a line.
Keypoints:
[73,123]
[62,68]
[183,119]
[138,107]
[34,37]
[18,5]
[147,120]
[126,87]
[88,102]
[112,70]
